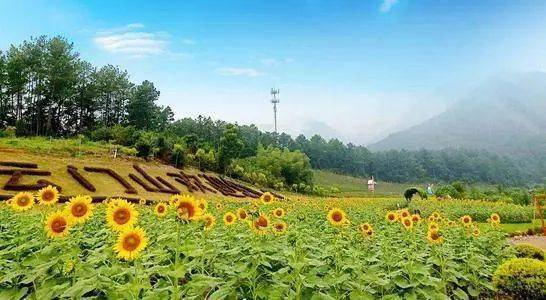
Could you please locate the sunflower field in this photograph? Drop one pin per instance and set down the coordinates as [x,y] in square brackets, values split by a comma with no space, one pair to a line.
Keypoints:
[221,248]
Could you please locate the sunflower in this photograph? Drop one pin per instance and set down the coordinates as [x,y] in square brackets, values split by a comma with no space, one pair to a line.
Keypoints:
[451,223]
[219,206]
[495,218]
[121,216]
[436,215]
[130,243]
[203,205]
[368,233]
[22,201]
[278,212]
[279,228]
[404,214]
[229,218]
[260,225]
[160,209]
[337,217]
[408,223]
[142,201]
[266,198]
[242,214]
[57,225]
[476,232]
[79,209]
[365,227]
[187,208]
[466,220]
[415,218]
[433,226]
[209,220]
[391,217]
[48,195]
[434,237]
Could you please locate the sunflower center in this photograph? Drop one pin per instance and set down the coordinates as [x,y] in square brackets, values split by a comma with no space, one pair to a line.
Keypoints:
[261,222]
[391,217]
[229,218]
[279,213]
[242,215]
[337,216]
[131,242]
[23,201]
[407,222]
[208,222]
[79,210]
[434,235]
[279,227]
[186,209]
[58,225]
[48,195]
[267,198]
[122,216]
[161,209]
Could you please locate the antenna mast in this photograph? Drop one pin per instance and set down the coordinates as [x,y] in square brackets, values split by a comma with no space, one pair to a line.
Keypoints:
[275,100]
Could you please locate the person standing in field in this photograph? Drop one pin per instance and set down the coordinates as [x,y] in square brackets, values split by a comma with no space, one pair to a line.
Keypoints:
[371,185]
[430,192]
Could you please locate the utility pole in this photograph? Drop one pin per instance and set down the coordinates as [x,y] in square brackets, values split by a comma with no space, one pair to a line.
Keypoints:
[275,100]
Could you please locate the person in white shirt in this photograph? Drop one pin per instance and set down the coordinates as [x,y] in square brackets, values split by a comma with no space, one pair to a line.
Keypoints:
[371,185]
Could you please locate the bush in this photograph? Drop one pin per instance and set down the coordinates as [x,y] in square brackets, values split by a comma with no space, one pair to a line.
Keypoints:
[521,278]
[529,251]
[145,144]
[448,190]
[521,197]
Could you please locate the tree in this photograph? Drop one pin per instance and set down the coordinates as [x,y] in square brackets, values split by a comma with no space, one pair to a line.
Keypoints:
[229,148]
[141,109]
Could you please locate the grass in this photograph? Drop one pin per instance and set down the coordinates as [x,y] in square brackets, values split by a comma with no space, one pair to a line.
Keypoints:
[350,186]
[514,227]
[52,146]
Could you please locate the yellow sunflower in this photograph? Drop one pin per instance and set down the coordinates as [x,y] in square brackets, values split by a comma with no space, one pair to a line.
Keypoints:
[121,216]
[203,205]
[451,223]
[337,217]
[436,215]
[142,201]
[466,220]
[476,231]
[267,198]
[416,218]
[278,212]
[391,217]
[48,195]
[187,208]
[79,209]
[434,237]
[408,223]
[261,224]
[433,226]
[242,214]
[160,209]
[229,218]
[365,227]
[368,233]
[209,220]
[404,213]
[130,243]
[279,228]
[219,206]
[22,201]
[495,218]
[57,224]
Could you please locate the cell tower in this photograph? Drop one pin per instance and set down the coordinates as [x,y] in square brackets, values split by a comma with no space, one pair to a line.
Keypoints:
[275,100]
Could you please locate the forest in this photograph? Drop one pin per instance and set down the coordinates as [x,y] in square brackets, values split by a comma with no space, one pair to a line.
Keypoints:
[47,89]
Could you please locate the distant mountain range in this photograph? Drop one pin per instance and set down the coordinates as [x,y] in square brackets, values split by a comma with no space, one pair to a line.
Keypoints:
[504,115]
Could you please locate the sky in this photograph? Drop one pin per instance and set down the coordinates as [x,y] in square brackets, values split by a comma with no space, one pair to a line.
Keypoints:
[352,69]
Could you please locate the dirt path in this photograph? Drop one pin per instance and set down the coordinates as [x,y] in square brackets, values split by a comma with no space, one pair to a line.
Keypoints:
[537,241]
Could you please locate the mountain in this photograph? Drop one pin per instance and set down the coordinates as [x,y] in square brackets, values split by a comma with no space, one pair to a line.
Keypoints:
[504,115]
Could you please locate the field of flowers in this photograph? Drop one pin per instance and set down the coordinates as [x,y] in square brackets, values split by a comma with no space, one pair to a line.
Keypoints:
[220,248]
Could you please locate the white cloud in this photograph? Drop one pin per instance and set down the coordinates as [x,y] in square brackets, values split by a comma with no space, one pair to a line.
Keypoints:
[248,72]
[386,5]
[133,41]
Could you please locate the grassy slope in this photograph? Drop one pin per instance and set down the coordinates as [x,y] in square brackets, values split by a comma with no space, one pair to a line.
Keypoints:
[357,187]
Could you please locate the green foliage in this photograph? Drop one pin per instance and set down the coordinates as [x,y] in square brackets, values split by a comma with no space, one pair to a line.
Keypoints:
[529,251]
[521,278]
[145,144]
[230,147]
[178,155]
[273,167]
[480,211]
[205,160]
[448,190]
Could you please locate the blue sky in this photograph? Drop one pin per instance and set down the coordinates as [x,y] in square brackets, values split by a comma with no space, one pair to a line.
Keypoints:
[357,70]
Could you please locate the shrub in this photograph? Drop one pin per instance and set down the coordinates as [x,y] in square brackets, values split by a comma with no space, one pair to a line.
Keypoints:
[521,197]
[521,278]
[529,251]
[145,144]
[448,190]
